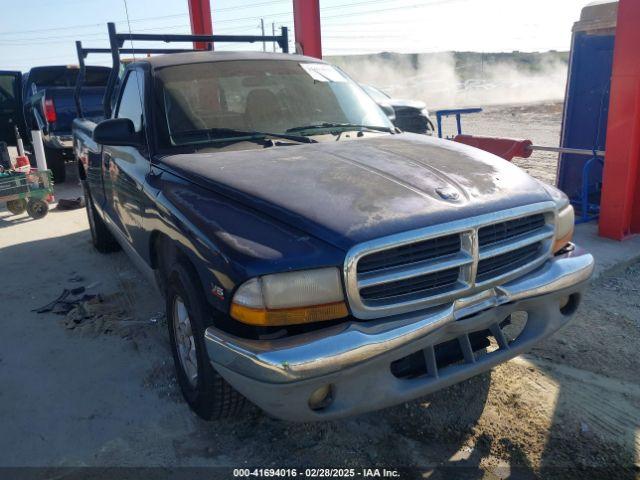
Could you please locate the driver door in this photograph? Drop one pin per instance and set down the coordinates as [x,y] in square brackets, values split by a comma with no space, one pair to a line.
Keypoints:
[125,168]
[10,106]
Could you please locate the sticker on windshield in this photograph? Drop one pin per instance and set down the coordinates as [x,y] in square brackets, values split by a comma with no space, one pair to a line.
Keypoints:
[323,72]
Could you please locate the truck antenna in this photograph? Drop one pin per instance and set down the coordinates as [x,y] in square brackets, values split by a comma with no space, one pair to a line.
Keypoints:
[146,135]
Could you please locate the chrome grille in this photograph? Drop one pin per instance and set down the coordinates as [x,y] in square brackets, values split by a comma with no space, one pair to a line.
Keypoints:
[513,228]
[507,262]
[424,284]
[414,252]
[439,264]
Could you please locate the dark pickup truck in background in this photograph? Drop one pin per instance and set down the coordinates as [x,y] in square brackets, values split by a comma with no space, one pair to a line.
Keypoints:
[49,106]
[313,259]
[408,115]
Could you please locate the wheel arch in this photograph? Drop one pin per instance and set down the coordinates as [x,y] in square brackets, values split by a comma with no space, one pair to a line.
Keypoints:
[162,246]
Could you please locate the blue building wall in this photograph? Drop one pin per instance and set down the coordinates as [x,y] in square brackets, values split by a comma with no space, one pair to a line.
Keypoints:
[586,112]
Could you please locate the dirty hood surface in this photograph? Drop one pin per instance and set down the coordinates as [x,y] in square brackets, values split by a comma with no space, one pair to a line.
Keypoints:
[346,192]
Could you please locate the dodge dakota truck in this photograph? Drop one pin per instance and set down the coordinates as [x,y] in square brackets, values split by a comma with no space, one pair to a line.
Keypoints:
[314,259]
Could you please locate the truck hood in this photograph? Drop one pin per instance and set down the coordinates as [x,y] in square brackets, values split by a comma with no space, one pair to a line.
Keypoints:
[401,104]
[347,192]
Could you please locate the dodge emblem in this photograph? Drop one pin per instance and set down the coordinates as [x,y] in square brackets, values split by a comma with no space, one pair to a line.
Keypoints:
[448,193]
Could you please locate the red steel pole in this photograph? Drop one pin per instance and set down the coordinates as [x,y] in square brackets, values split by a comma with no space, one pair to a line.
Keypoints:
[201,24]
[306,18]
[620,201]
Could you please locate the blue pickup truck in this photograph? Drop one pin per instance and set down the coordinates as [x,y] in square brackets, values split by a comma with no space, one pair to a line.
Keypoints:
[43,99]
[49,106]
[314,259]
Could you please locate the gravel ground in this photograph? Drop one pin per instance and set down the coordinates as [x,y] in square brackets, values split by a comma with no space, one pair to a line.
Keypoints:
[104,393]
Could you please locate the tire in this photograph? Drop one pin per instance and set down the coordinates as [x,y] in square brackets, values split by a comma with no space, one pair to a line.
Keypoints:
[430,126]
[208,395]
[55,163]
[37,208]
[17,206]
[101,237]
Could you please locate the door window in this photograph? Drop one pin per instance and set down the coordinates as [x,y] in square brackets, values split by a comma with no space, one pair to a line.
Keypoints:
[131,101]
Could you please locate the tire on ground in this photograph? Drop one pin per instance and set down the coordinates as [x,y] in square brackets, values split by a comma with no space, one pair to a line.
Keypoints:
[212,397]
[102,239]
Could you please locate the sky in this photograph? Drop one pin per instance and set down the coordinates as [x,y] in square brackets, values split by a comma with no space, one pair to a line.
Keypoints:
[43,32]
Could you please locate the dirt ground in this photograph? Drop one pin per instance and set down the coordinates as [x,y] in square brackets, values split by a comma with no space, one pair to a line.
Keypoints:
[102,392]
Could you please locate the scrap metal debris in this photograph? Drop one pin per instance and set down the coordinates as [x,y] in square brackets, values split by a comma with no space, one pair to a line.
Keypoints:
[97,315]
[104,315]
[66,301]
[94,314]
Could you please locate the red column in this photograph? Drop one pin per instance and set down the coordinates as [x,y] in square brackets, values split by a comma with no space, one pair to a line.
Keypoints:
[306,18]
[201,24]
[620,202]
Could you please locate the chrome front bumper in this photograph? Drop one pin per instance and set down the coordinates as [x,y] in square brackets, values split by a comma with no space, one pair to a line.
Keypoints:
[354,358]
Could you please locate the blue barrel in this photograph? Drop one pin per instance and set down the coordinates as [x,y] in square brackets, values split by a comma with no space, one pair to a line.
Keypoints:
[586,107]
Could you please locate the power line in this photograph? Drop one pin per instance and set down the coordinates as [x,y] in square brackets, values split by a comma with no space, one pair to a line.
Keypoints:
[144,19]
[147,19]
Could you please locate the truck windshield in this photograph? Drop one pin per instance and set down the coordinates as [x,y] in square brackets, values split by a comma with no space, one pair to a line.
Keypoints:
[201,102]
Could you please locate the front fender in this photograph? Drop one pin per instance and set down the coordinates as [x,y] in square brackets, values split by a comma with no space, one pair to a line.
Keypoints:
[229,243]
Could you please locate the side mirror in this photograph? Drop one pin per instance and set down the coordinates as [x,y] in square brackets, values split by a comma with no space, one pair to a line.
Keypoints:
[389,111]
[118,132]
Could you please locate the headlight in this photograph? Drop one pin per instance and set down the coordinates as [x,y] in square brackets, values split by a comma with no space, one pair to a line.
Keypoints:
[564,228]
[290,298]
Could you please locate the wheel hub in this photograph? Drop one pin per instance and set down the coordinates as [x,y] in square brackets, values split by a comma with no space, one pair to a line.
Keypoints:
[185,341]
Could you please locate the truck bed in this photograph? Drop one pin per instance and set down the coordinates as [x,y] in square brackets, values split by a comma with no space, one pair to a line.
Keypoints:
[85,149]
[65,108]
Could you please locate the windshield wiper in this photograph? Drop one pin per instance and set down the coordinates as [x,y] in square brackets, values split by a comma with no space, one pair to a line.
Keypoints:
[244,135]
[329,126]
[286,136]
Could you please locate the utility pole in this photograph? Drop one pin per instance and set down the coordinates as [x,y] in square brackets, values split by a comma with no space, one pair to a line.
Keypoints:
[264,44]
[273,32]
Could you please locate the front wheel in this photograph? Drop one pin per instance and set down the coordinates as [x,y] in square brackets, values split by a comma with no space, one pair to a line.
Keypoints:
[206,392]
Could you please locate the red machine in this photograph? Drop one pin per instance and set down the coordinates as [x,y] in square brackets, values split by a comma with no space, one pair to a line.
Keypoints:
[620,202]
[506,148]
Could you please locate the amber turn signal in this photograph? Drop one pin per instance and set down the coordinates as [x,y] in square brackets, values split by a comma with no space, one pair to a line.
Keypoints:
[288,316]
